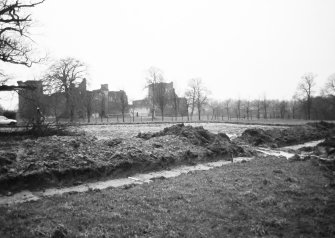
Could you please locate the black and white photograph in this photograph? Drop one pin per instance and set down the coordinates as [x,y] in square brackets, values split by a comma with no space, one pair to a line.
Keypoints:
[167,118]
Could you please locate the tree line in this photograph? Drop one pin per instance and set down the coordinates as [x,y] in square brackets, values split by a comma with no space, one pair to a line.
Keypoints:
[306,103]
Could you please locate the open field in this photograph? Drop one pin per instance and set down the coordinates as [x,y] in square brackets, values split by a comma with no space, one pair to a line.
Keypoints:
[131,130]
[145,120]
[268,197]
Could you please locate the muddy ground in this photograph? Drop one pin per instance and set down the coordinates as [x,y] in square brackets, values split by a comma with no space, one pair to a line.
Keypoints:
[69,160]
[279,137]
[64,160]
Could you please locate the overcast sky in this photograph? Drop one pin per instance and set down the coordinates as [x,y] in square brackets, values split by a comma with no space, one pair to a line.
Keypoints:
[240,48]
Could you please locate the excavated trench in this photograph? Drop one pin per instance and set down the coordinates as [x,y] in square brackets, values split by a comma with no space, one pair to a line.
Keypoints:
[120,162]
[68,160]
[140,178]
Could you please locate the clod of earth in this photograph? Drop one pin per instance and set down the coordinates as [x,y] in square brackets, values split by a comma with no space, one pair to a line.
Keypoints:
[7,158]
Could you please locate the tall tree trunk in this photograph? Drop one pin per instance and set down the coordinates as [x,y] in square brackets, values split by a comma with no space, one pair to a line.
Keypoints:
[199,112]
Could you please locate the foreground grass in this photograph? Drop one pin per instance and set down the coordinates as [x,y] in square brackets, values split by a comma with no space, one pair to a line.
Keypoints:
[264,197]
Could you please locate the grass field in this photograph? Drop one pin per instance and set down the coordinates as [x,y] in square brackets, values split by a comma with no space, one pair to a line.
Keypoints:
[131,130]
[204,119]
[266,197]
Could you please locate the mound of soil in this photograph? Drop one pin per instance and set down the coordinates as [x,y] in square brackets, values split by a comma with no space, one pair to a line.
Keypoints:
[324,155]
[217,144]
[65,160]
[290,136]
[196,135]
[326,151]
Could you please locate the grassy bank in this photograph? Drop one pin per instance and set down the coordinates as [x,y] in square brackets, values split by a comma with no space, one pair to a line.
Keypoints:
[264,197]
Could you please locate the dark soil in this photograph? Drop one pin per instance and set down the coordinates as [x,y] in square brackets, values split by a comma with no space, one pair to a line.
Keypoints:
[217,144]
[289,136]
[326,152]
[65,160]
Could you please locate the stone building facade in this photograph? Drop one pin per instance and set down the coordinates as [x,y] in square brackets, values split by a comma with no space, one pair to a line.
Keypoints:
[176,106]
[100,102]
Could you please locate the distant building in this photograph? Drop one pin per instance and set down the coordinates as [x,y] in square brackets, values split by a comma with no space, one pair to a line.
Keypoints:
[176,106]
[109,103]
[30,99]
[100,102]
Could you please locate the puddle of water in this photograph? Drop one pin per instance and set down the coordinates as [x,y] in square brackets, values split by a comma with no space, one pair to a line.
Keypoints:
[23,196]
[26,196]
[283,150]
[308,144]
[275,153]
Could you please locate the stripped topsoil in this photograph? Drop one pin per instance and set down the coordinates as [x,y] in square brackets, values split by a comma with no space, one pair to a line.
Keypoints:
[32,163]
[323,152]
[67,160]
[276,137]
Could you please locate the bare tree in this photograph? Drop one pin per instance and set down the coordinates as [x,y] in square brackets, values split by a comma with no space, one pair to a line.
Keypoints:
[265,105]
[63,76]
[238,108]
[15,42]
[215,106]
[190,96]
[293,106]
[227,107]
[123,103]
[161,96]
[305,90]
[282,108]
[155,75]
[200,94]
[329,89]
[247,107]
[132,112]
[257,104]
[273,106]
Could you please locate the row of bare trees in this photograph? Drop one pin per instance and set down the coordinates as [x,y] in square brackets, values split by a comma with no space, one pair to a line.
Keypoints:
[196,97]
[251,109]
[305,104]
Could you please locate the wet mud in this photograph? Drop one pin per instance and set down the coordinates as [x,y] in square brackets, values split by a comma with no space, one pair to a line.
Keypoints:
[67,160]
